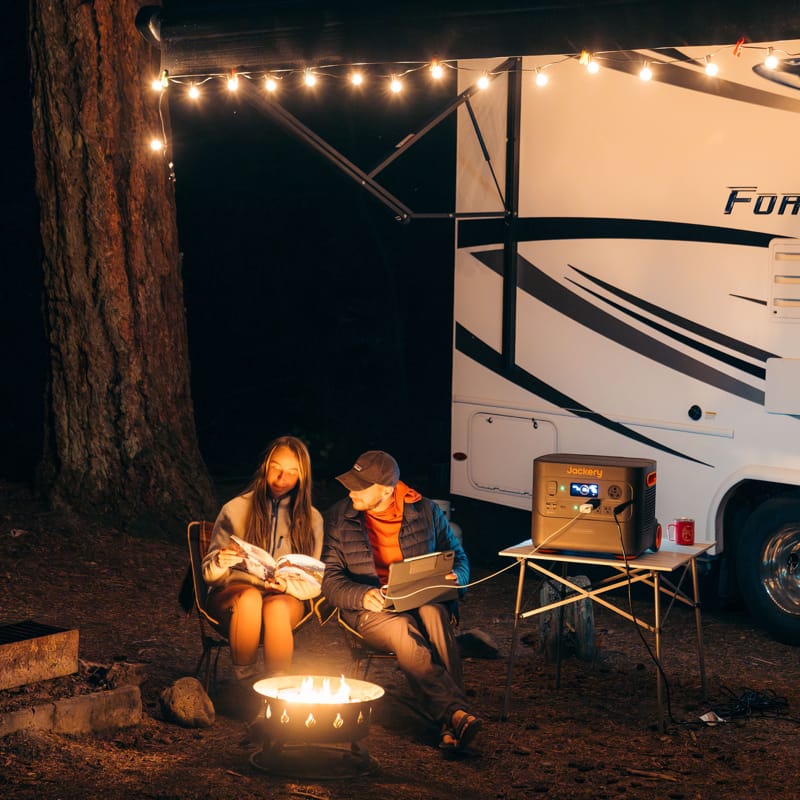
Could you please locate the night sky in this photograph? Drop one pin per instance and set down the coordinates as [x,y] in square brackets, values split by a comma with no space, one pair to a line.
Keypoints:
[310,309]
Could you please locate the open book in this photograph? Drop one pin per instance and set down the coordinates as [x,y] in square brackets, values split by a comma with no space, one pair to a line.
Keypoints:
[260,563]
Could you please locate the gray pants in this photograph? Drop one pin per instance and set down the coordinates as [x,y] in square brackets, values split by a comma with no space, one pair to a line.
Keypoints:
[425,645]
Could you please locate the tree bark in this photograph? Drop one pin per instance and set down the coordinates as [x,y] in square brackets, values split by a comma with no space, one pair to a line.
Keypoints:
[120,436]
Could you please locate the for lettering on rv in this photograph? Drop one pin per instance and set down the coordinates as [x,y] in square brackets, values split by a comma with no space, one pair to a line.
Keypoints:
[763,202]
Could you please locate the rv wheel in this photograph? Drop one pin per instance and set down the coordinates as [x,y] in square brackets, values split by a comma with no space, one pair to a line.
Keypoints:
[768,567]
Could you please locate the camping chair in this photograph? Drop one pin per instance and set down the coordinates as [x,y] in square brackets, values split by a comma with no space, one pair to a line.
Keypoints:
[361,653]
[212,640]
[211,637]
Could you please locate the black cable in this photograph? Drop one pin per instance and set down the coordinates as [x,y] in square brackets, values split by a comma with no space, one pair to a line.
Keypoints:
[749,703]
[618,510]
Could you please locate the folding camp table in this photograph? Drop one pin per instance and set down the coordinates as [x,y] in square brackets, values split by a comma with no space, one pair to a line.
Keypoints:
[648,568]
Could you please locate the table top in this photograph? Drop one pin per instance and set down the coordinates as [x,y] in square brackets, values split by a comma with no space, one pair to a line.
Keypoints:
[668,558]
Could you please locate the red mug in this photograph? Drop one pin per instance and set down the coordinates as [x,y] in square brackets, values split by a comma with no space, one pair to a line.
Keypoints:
[681,531]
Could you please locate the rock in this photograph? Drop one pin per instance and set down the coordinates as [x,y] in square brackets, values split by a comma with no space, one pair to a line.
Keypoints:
[186,703]
[126,673]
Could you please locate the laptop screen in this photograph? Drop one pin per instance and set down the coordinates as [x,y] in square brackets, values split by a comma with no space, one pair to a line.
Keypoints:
[419,580]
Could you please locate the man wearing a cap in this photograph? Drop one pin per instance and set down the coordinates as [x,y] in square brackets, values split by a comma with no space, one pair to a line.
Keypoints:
[381,521]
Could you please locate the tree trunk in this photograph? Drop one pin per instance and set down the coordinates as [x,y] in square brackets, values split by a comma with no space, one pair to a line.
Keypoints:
[120,435]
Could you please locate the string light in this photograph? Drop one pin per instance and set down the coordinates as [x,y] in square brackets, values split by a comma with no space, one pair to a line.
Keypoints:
[771,61]
[585,59]
[435,67]
[161,82]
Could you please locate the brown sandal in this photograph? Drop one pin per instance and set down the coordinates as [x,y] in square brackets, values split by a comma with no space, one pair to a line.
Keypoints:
[466,729]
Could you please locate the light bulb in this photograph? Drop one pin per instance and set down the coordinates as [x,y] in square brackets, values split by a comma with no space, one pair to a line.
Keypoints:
[483,81]
[436,70]
[396,85]
[646,73]
[270,84]
[156,145]
[593,67]
[356,78]
[542,78]
[771,61]
[194,92]
[310,78]
[711,68]
[156,84]
[233,82]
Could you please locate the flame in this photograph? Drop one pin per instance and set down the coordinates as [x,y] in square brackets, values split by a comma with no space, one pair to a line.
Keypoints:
[308,693]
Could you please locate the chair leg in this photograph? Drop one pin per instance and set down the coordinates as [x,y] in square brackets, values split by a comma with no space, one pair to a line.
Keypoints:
[204,667]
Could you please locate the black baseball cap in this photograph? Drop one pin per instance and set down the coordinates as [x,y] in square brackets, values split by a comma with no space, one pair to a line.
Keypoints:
[371,467]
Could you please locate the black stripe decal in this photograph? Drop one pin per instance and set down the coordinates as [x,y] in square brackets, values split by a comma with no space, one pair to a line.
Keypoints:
[687,324]
[542,287]
[472,347]
[477,232]
[698,81]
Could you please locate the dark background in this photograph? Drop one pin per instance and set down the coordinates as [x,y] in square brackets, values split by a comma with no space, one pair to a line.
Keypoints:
[310,309]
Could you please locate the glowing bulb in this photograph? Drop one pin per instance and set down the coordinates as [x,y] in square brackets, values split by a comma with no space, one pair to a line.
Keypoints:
[157,145]
[646,73]
[593,67]
[270,84]
[233,82]
[310,78]
[194,92]
[356,78]
[711,68]
[483,81]
[396,85]
[771,61]
[161,82]
[542,78]
[436,70]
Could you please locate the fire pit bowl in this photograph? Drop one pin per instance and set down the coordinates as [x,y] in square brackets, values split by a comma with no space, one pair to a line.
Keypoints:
[304,718]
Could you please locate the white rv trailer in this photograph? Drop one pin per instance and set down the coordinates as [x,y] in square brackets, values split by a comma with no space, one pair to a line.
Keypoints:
[638,293]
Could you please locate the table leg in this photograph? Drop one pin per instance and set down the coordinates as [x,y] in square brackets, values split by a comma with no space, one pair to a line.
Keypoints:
[699,627]
[657,632]
[560,625]
[514,634]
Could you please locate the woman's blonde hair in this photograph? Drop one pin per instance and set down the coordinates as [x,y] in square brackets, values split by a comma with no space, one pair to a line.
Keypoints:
[260,518]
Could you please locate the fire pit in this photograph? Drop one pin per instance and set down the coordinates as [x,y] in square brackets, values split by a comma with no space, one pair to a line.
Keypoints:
[305,720]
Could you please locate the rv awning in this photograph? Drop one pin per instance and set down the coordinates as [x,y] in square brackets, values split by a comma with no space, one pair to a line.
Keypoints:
[282,35]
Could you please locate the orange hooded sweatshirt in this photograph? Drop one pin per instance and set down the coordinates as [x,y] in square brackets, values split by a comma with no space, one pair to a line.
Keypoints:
[383,529]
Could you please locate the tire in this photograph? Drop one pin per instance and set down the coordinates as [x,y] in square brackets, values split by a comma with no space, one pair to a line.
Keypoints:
[768,568]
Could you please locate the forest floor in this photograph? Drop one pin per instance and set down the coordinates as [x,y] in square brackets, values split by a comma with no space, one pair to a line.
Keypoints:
[592,737]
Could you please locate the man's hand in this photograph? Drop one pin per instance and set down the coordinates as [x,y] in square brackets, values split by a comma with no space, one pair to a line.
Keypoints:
[373,600]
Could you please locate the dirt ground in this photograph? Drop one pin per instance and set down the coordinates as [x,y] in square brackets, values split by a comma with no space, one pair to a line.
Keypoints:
[594,736]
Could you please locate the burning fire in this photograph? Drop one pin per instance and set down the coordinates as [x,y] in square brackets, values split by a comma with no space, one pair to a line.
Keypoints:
[307,692]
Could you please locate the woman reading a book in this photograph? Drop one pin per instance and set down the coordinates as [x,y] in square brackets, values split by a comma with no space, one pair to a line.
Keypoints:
[251,594]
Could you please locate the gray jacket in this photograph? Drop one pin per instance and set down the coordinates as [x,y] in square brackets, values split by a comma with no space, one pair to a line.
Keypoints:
[349,564]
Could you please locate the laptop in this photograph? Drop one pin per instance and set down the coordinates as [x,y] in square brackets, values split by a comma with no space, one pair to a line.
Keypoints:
[416,581]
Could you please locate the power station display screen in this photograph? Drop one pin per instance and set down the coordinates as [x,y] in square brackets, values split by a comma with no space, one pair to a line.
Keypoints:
[584,490]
